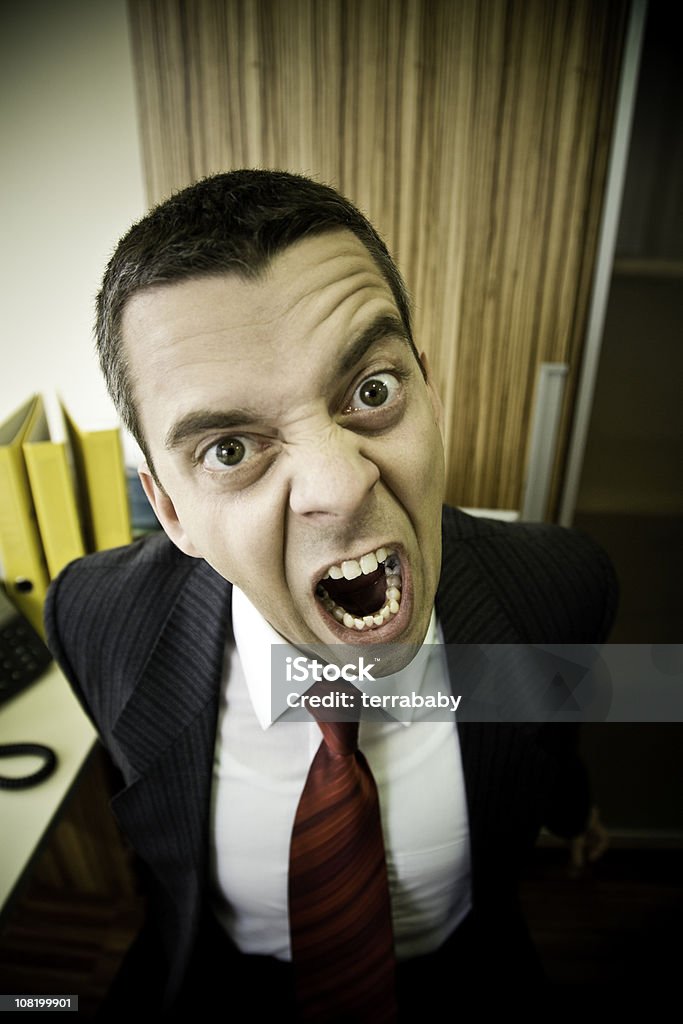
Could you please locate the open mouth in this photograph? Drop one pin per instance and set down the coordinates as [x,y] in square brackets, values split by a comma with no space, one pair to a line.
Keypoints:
[363,593]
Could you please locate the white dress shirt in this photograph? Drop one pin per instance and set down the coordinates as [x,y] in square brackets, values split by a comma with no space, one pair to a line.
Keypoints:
[260,767]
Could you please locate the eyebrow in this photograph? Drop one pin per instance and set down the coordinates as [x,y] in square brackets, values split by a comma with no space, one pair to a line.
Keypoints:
[383,327]
[202,420]
[207,419]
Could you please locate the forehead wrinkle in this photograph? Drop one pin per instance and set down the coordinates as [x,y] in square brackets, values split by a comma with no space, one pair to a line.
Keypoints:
[351,289]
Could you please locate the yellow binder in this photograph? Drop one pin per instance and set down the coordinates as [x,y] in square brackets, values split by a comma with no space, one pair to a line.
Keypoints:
[98,460]
[54,493]
[21,552]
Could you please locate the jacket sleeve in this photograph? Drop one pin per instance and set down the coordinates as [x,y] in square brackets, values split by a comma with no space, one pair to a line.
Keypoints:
[558,587]
[103,616]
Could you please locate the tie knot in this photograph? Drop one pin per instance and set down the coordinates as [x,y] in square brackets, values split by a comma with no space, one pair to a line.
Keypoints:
[341,738]
[338,721]
[338,724]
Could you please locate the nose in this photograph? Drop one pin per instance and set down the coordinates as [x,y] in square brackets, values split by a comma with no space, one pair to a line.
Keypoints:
[330,475]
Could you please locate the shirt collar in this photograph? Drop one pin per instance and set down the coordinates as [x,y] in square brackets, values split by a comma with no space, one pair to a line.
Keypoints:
[254,637]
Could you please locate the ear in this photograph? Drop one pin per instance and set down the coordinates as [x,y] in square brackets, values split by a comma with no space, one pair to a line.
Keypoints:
[434,396]
[164,510]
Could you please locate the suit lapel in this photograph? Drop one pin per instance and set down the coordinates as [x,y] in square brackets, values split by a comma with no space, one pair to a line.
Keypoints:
[182,673]
[469,613]
[167,732]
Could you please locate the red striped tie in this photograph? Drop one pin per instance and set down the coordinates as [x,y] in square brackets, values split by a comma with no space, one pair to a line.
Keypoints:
[340,915]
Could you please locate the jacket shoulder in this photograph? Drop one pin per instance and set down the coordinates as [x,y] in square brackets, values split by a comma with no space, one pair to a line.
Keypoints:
[554,584]
[104,612]
[113,582]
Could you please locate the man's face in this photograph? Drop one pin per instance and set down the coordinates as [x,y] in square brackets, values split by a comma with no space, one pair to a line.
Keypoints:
[296,441]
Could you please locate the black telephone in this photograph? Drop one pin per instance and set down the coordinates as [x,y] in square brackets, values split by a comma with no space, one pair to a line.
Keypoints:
[23,655]
[23,659]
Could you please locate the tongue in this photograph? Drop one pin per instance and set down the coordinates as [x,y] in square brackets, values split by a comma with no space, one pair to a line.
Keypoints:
[361,596]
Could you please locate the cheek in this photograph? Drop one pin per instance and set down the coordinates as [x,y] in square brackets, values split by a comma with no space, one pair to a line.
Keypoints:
[434,462]
[418,456]
[240,539]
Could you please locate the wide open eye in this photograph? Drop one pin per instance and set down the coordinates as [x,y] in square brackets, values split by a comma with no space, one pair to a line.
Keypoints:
[227,453]
[378,390]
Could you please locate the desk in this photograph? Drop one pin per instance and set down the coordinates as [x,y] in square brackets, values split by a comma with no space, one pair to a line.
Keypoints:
[46,712]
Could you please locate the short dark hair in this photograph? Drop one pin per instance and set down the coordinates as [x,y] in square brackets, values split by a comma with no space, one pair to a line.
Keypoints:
[231,222]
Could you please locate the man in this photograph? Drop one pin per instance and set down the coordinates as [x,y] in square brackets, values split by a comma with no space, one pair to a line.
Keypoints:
[256,339]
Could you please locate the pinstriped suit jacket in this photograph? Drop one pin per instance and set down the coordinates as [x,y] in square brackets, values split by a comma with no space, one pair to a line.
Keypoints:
[140,633]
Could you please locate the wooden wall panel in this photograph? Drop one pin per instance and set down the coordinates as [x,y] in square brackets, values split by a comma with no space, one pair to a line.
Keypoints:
[475,135]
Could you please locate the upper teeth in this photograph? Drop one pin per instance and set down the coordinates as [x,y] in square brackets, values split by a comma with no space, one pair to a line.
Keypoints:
[363,566]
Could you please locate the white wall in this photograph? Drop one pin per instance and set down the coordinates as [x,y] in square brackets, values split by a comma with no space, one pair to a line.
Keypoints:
[71,183]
